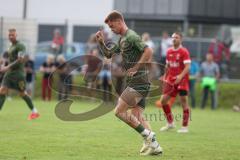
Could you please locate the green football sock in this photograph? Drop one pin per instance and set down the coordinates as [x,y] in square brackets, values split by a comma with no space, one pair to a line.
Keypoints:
[2,100]
[28,100]
[140,128]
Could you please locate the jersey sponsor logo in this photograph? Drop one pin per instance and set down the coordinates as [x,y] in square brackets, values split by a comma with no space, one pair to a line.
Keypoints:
[174,64]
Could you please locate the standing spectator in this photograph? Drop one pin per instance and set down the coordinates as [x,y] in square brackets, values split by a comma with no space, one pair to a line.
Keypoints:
[194,70]
[105,79]
[118,74]
[94,65]
[165,44]
[147,40]
[57,42]
[221,55]
[91,44]
[47,68]
[29,70]
[209,72]
[65,79]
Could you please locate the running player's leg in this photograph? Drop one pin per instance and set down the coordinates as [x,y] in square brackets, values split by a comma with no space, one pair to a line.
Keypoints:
[130,97]
[186,111]
[138,113]
[3,92]
[34,113]
[122,113]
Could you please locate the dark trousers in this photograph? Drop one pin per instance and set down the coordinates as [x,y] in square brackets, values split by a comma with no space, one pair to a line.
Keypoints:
[107,88]
[205,92]
[192,92]
[64,88]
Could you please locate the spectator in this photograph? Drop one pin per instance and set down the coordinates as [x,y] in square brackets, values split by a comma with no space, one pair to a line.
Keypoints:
[194,71]
[47,68]
[210,73]
[147,39]
[65,78]
[118,74]
[57,42]
[105,79]
[91,44]
[221,55]
[94,65]
[165,44]
[29,70]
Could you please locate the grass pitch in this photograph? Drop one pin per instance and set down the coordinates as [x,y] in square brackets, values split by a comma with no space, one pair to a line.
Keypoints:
[214,135]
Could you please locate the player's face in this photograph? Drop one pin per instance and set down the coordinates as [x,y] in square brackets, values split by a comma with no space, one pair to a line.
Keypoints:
[114,26]
[177,40]
[12,36]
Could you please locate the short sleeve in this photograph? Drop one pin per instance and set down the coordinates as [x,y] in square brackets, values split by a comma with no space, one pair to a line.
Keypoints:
[21,49]
[137,43]
[186,57]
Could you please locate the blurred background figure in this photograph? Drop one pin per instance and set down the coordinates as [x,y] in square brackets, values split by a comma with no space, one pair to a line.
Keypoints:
[210,74]
[117,74]
[194,71]
[29,70]
[57,42]
[166,43]
[94,65]
[64,79]
[105,79]
[46,69]
[221,55]
[91,43]
[147,40]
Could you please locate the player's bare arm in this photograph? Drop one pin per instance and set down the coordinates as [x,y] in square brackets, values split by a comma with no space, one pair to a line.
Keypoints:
[145,58]
[108,52]
[183,73]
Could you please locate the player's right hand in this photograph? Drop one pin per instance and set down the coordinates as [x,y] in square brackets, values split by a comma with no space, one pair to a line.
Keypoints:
[99,36]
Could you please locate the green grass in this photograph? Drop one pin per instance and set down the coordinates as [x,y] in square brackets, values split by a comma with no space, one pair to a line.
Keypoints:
[214,135]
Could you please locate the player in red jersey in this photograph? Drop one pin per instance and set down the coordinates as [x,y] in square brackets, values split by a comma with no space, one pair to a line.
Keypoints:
[177,74]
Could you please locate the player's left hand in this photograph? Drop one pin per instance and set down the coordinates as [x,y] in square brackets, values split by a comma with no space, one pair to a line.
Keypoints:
[131,71]
[178,79]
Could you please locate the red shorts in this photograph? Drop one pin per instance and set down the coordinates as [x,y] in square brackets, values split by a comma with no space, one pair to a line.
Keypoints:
[172,90]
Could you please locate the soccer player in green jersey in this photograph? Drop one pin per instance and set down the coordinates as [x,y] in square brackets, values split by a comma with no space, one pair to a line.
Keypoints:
[14,77]
[135,55]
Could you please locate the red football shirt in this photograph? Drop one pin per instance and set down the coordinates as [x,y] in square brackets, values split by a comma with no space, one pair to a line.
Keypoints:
[176,60]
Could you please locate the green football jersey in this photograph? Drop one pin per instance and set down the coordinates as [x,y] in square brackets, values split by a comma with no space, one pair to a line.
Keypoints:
[13,52]
[131,48]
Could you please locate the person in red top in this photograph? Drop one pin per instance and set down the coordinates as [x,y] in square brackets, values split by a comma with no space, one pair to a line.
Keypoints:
[219,51]
[57,42]
[177,75]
